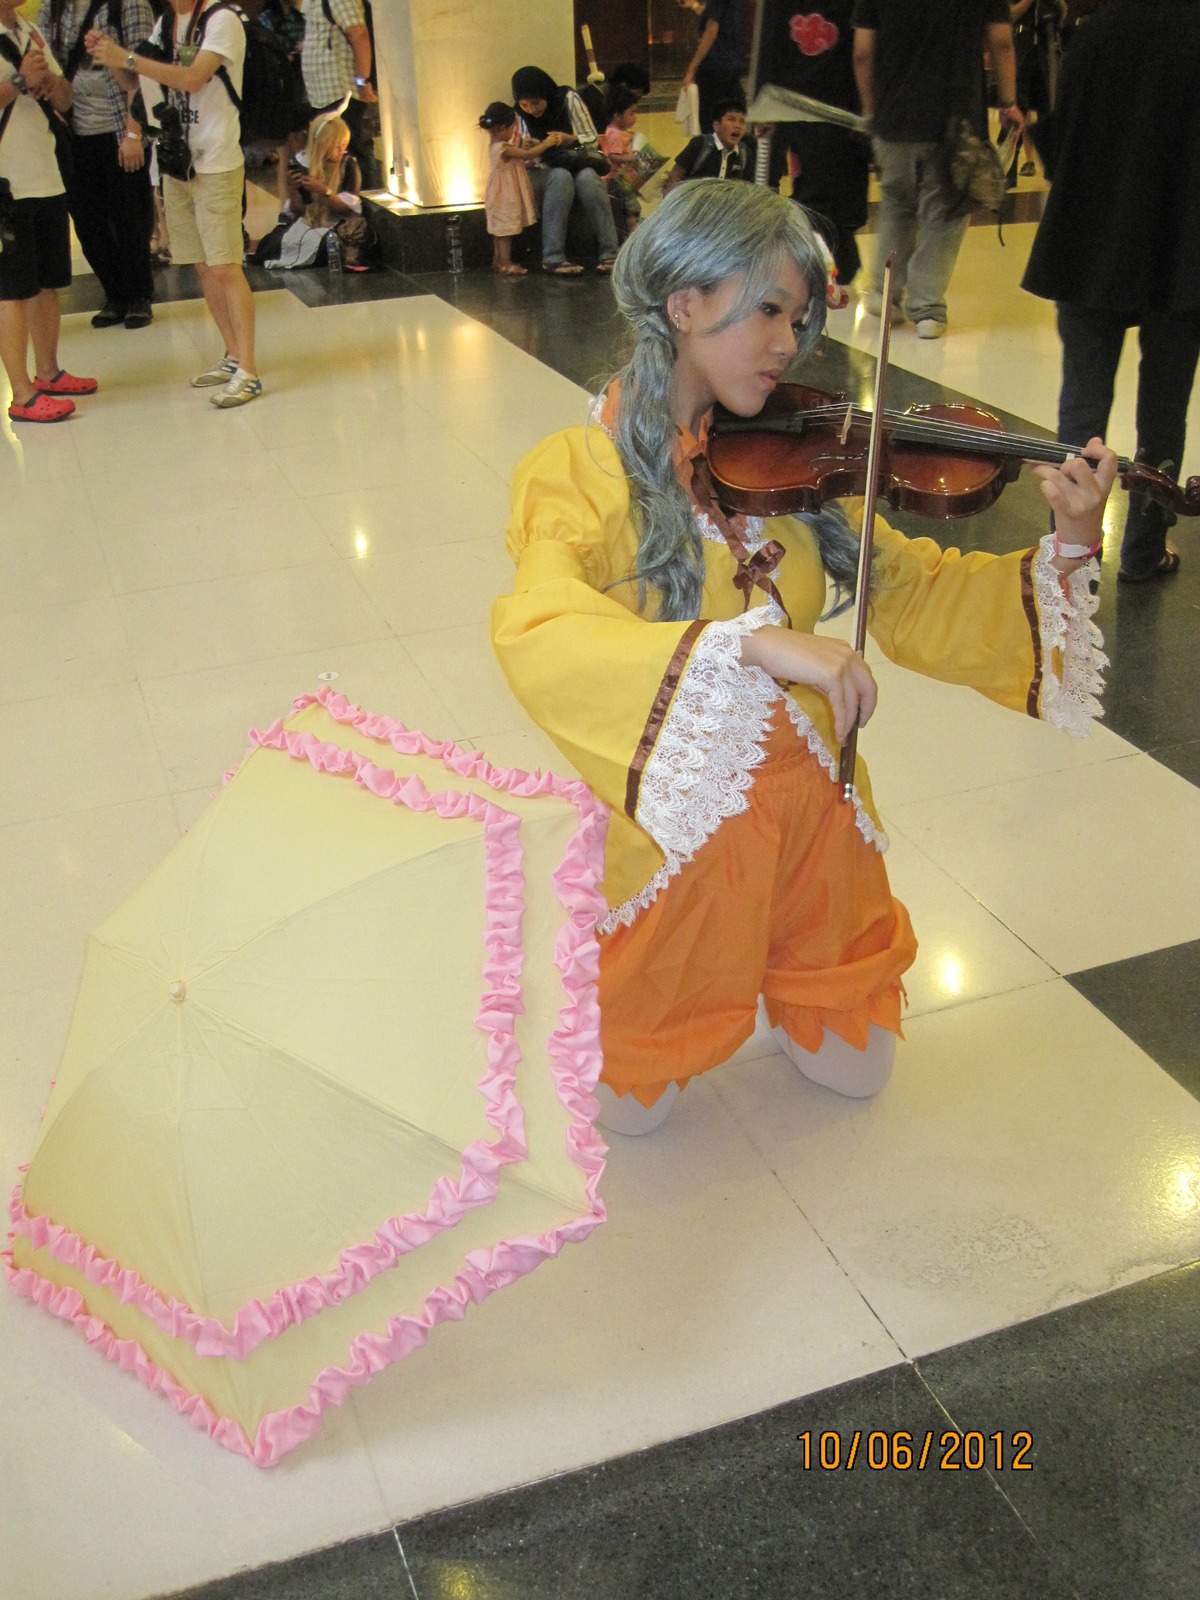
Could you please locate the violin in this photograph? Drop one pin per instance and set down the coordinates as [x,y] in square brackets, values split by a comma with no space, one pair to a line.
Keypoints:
[807,446]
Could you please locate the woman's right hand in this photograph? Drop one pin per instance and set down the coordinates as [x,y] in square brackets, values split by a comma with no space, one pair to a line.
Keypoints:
[828,665]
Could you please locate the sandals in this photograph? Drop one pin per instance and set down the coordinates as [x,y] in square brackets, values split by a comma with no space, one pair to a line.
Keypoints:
[605,266]
[1168,565]
[512,270]
[42,408]
[562,269]
[65,383]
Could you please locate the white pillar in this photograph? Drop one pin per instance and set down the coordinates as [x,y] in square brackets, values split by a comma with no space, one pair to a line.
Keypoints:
[440,63]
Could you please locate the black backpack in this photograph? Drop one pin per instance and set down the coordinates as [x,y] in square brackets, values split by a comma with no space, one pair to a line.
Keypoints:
[270,104]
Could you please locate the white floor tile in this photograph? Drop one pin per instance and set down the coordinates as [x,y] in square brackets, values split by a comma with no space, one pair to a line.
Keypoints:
[196,626]
[420,592]
[118,1496]
[705,1297]
[57,649]
[159,551]
[465,501]
[201,719]
[963,952]
[87,749]
[1060,858]
[929,739]
[1024,1156]
[462,668]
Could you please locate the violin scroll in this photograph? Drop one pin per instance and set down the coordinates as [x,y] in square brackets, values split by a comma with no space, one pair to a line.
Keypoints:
[1183,499]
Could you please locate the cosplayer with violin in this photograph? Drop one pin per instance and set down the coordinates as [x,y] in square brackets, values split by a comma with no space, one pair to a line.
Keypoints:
[665,643]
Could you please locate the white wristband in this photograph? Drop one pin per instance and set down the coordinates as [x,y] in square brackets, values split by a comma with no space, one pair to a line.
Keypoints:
[1076,552]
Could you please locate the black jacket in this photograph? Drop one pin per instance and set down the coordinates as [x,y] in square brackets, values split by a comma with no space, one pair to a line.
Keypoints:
[1121,229]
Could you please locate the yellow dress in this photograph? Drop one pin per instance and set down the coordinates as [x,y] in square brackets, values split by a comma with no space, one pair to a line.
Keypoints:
[733,868]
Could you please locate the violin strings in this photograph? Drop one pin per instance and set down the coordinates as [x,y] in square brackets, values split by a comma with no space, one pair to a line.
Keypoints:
[933,431]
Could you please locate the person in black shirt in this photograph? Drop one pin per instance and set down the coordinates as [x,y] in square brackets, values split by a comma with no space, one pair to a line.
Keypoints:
[918,64]
[716,67]
[726,152]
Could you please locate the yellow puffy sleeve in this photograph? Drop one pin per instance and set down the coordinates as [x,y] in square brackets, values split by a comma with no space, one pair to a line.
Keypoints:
[1008,626]
[659,718]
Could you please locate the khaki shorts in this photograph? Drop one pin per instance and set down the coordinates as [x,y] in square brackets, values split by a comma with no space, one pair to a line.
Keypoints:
[204,218]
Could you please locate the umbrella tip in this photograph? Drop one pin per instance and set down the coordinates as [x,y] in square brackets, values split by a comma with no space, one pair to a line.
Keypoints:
[177,990]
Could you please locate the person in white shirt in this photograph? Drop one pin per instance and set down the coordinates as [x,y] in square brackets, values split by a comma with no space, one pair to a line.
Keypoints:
[35,261]
[207,48]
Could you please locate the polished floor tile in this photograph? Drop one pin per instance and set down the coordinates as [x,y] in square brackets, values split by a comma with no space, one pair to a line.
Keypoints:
[1049,856]
[1155,1000]
[737,1515]
[1026,1154]
[632,1347]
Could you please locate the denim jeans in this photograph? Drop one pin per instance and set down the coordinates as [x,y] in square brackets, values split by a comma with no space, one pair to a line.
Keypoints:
[915,222]
[1170,347]
[555,189]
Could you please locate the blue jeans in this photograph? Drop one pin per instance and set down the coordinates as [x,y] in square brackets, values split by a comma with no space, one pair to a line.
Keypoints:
[555,189]
[915,222]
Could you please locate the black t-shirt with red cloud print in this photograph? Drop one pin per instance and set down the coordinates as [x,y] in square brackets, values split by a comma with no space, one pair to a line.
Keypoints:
[809,49]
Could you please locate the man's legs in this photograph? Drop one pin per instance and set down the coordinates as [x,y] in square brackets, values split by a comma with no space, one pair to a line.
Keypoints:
[1170,347]
[939,239]
[1091,351]
[90,198]
[14,349]
[45,318]
[228,297]
[897,166]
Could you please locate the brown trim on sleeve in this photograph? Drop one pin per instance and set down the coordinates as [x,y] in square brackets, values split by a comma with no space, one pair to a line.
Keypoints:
[658,714]
[1035,631]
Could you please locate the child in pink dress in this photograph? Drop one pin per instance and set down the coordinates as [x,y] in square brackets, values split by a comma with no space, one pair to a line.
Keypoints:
[508,199]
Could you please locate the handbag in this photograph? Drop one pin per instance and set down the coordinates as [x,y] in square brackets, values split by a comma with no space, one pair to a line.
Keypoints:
[974,176]
[577,158]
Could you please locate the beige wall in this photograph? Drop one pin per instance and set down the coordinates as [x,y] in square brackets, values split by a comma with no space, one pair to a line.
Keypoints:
[440,63]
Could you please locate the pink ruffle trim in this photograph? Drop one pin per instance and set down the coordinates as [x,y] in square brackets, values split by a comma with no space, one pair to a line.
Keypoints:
[575,1062]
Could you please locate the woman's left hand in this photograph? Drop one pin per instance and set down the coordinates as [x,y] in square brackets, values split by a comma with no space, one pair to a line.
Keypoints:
[1077,492]
[105,52]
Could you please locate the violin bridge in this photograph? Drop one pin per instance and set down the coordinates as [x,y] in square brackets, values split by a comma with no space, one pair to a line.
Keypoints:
[846,424]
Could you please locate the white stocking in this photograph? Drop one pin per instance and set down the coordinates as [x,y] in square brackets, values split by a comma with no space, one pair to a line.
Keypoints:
[623,1113]
[840,1066]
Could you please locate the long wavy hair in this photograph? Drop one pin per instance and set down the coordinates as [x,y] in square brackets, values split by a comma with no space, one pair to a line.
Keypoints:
[705,232]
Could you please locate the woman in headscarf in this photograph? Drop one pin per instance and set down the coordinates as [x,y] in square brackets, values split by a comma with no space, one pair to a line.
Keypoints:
[548,110]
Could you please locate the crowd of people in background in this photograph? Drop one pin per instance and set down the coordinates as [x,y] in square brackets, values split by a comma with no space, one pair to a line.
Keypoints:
[131,119]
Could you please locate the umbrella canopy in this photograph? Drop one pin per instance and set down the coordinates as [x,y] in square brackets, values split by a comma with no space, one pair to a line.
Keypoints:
[328,1077]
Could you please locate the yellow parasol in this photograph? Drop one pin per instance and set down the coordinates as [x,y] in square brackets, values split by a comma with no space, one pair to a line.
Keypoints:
[329,1075]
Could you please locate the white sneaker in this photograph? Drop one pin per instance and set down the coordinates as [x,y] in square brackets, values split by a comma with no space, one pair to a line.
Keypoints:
[239,391]
[220,373]
[927,328]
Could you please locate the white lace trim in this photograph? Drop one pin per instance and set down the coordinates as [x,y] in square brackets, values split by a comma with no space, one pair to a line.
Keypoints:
[864,821]
[705,755]
[1071,701]
[752,532]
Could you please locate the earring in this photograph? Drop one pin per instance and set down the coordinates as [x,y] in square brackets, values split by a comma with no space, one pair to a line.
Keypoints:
[675,320]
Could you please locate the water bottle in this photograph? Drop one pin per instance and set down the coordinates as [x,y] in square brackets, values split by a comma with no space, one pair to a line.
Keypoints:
[454,253]
[333,254]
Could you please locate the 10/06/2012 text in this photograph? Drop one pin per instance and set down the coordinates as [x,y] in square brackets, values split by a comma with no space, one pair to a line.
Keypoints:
[901,1451]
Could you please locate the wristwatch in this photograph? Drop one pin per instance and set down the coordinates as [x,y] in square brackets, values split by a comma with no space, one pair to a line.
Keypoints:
[361,83]
[131,62]
[18,82]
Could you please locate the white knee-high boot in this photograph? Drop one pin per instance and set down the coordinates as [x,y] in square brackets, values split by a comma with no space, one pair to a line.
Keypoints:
[838,1065]
[622,1113]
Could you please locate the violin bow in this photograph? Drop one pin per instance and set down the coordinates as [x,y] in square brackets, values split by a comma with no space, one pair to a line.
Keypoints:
[862,588]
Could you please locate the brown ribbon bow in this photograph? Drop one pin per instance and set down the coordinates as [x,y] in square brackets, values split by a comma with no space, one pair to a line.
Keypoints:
[753,571]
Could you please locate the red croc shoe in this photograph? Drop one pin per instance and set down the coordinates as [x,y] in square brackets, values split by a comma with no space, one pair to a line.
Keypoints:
[65,383]
[42,408]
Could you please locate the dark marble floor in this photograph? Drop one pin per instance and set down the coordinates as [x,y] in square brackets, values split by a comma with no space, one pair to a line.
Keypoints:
[1102,1505]
[1055,1460]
